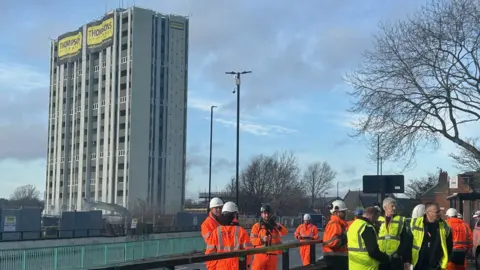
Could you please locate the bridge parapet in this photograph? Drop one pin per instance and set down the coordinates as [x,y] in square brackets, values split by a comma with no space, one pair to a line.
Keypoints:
[171,263]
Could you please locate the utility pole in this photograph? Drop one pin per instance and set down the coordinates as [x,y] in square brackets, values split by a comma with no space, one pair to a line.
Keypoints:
[237,163]
[210,163]
[337,189]
[381,166]
[378,154]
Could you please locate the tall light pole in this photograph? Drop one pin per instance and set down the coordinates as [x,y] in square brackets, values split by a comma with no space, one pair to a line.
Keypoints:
[237,170]
[337,189]
[210,164]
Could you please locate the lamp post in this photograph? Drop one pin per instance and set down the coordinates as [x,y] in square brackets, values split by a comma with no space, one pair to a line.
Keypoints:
[237,172]
[210,164]
[337,189]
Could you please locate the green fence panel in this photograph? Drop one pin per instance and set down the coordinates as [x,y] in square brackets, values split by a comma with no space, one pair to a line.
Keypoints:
[86,256]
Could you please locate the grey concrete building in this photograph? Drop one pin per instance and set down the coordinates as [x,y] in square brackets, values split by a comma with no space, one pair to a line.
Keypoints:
[118,113]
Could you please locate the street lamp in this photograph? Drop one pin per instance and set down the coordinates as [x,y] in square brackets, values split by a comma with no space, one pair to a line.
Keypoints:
[237,172]
[210,165]
[337,189]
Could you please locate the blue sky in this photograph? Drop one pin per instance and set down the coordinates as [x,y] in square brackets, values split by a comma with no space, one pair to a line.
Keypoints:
[294,100]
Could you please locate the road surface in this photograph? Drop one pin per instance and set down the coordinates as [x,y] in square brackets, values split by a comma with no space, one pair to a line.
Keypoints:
[295,260]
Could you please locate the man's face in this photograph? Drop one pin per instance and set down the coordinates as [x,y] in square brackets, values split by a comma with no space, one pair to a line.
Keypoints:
[390,209]
[266,215]
[306,221]
[342,214]
[217,211]
[433,213]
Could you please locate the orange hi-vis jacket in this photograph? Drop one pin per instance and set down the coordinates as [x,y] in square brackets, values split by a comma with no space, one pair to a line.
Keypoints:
[228,239]
[307,231]
[334,231]
[461,234]
[208,227]
[310,232]
[259,231]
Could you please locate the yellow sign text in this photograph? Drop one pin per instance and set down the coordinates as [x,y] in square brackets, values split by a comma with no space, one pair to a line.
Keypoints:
[97,34]
[70,45]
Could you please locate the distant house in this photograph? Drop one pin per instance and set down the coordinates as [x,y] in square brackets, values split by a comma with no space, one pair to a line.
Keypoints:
[321,205]
[442,190]
[323,201]
[405,206]
[357,199]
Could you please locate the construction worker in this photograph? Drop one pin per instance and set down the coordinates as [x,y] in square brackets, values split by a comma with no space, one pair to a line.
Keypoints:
[432,240]
[363,250]
[210,225]
[418,211]
[228,237]
[266,232]
[462,240]
[306,231]
[335,238]
[475,217]
[358,213]
[393,237]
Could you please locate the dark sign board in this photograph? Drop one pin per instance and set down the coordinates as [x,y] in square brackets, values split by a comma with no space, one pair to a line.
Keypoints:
[389,183]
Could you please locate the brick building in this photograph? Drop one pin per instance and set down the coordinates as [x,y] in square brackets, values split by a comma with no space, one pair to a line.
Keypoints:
[443,189]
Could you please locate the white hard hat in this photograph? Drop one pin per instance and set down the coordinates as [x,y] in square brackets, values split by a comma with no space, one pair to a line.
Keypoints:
[477,212]
[451,212]
[418,211]
[230,207]
[216,202]
[338,205]
[459,215]
[307,217]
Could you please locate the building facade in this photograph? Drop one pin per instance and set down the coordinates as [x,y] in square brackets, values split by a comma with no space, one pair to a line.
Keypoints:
[443,189]
[118,113]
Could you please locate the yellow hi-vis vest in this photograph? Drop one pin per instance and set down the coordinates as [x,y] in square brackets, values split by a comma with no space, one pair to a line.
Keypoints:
[358,258]
[418,231]
[389,240]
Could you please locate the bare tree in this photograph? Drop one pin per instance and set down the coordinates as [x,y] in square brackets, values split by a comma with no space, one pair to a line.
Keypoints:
[317,179]
[417,187]
[466,160]
[26,195]
[26,192]
[273,179]
[421,81]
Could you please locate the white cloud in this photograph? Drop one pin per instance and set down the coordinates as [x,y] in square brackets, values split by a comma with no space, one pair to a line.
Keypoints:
[202,104]
[257,128]
[17,77]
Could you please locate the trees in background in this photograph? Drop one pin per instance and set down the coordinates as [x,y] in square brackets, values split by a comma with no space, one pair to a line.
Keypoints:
[419,186]
[277,179]
[26,195]
[465,160]
[420,81]
[317,180]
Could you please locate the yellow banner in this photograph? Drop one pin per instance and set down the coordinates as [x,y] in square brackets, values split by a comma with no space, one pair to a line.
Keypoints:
[70,45]
[97,34]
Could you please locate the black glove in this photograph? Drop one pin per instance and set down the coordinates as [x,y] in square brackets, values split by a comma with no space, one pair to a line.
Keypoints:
[272,223]
[343,239]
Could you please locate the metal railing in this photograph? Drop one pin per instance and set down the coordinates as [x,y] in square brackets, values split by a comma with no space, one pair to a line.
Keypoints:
[158,263]
[50,233]
[97,255]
